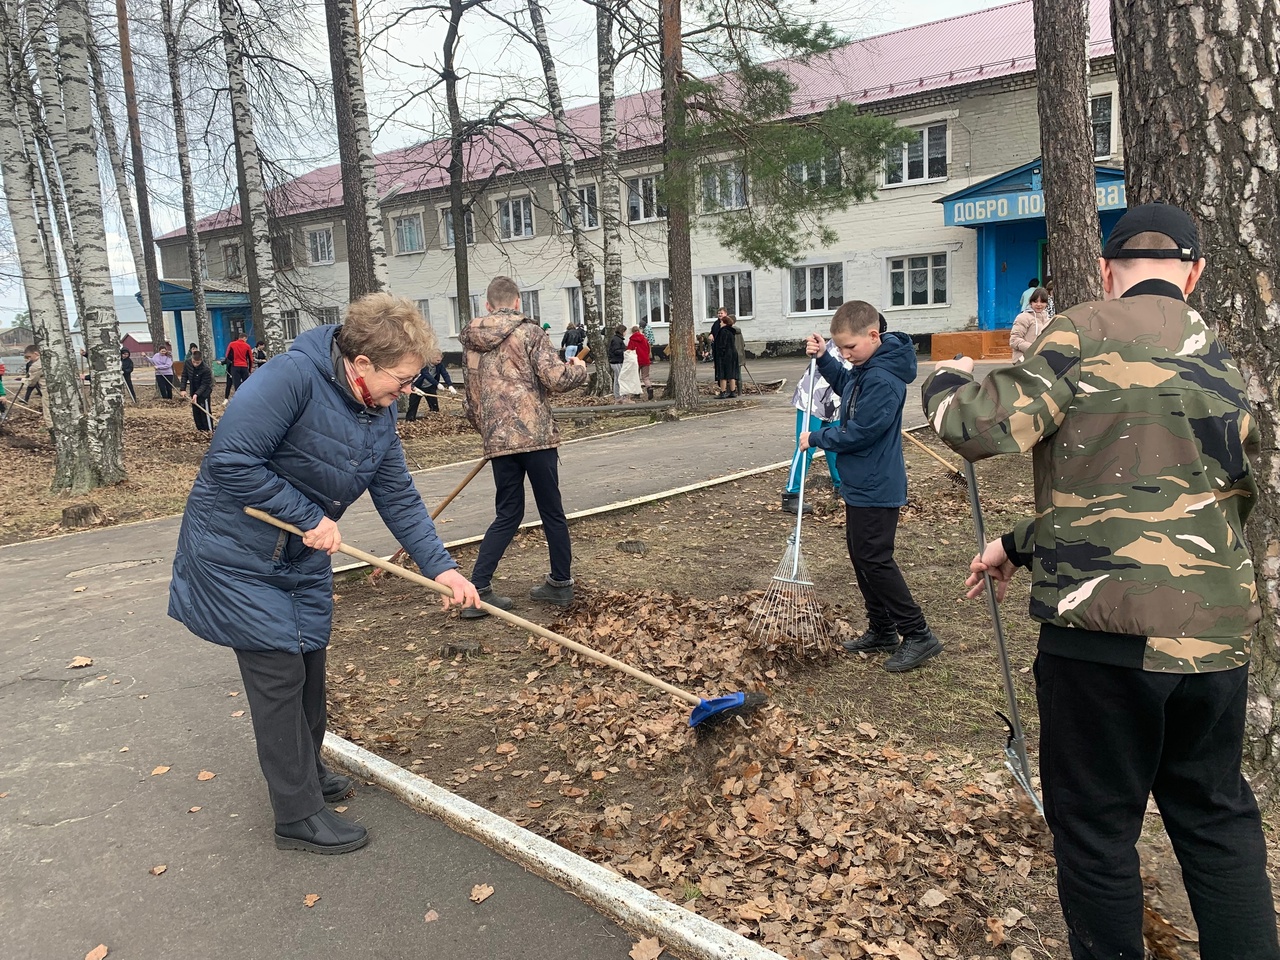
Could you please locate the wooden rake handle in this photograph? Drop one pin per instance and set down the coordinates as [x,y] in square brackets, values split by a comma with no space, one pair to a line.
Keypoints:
[926,449]
[506,615]
[458,489]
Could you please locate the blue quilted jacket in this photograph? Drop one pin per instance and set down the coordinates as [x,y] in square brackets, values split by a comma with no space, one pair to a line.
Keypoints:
[295,444]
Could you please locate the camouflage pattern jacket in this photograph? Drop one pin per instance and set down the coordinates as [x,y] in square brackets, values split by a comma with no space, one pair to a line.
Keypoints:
[1140,434]
[511,367]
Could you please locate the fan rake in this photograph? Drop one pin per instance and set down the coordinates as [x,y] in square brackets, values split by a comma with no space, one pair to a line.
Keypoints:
[789,614]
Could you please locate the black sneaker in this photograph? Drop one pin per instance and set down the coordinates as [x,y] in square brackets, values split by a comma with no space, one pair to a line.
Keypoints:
[791,502]
[335,786]
[489,597]
[559,592]
[875,638]
[324,832]
[914,650]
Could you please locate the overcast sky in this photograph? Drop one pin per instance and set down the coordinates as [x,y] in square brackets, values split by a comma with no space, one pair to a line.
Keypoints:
[572,30]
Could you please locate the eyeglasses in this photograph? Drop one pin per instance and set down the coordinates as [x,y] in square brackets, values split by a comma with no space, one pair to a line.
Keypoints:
[402,382]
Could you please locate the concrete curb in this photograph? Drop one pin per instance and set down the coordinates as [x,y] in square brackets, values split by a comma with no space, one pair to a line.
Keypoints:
[630,904]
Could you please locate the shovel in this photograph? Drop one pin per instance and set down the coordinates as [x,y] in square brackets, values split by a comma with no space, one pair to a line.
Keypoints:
[713,709]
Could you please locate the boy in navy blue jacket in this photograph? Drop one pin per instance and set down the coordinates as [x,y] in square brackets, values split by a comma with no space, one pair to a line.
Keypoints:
[867,443]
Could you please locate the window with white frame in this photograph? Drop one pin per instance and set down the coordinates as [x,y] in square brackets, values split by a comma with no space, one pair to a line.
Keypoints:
[588,207]
[231,259]
[815,174]
[320,245]
[424,308]
[204,262]
[289,320]
[455,321]
[328,315]
[732,291]
[818,288]
[467,218]
[918,281]
[515,218]
[922,155]
[724,186]
[653,300]
[529,304]
[407,231]
[576,313]
[642,200]
[282,251]
[1100,120]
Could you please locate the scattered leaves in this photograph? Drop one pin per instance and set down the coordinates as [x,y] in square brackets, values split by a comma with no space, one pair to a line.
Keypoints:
[311,899]
[79,590]
[237,713]
[431,916]
[194,810]
[158,869]
[97,953]
[205,775]
[647,949]
[340,809]
[78,662]
[481,892]
[159,771]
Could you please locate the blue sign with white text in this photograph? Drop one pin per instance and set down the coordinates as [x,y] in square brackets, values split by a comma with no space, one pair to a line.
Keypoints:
[973,211]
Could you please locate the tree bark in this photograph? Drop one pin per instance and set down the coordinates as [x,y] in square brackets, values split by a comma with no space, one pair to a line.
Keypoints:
[457,163]
[1198,91]
[1066,149]
[150,281]
[253,199]
[682,382]
[204,326]
[73,471]
[586,266]
[366,244]
[610,200]
[84,202]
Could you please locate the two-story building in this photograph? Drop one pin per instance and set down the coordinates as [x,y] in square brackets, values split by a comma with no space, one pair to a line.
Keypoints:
[949,241]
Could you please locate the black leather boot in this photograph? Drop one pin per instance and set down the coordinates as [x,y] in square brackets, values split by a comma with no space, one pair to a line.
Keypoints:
[489,597]
[323,832]
[873,639]
[791,502]
[335,786]
[559,592]
[915,649]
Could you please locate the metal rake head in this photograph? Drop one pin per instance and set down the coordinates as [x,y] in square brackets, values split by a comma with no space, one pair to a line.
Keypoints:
[789,614]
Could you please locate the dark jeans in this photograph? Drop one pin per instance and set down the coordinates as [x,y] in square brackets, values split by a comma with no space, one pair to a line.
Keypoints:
[164,384]
[235,377]
[286,701]
[869,533]
[198,413]
[128,385]
[414,399]
[1111,736]
[543,470]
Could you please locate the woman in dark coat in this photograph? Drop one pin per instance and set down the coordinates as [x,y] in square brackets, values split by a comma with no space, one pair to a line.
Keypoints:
[304,440]
[617,354]
[126,367]
[197,379]
[728,362]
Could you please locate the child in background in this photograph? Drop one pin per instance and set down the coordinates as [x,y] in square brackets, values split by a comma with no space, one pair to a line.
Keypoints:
[644,358]
[826,408]
[163,362]
[867,442]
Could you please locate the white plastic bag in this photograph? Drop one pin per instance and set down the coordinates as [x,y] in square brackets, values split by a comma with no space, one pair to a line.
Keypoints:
[629,379]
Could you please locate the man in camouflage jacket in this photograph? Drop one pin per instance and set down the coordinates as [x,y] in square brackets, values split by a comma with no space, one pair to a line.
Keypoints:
[511,366]
[1140,434]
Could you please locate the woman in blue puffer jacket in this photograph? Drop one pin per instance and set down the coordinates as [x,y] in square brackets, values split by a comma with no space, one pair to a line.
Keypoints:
[310,433]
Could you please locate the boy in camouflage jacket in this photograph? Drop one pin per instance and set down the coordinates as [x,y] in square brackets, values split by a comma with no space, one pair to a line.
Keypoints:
[1140,433]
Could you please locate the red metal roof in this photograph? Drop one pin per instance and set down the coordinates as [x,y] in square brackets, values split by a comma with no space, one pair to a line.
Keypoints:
[982,45]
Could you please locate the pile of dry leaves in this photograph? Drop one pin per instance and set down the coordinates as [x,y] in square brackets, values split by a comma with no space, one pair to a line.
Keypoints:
[819,841]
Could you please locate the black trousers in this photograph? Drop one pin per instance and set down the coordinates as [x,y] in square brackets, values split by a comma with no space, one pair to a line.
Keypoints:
[542,467]
[198,414]
[164,384]
[128,385]
[1111,736]
[287,703]
[869,533]
[415,399]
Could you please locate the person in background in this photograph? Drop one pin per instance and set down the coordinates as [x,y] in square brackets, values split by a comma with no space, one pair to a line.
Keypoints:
[640,344]
[126,368]
[826,410]
[308,435]
[163,362]
[1048,288]
[197,383]
[728,358]
[1029,324]
[239,363]
[716,325]
[511,366]
[617,351]
[33,382]
[259,354]
[428,380]
[1026,294]
[572,340]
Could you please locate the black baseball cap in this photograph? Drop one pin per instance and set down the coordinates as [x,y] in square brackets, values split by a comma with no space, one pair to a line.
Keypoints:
[1163,218]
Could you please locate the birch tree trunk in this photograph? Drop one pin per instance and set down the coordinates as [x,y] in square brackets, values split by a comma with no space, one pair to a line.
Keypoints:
[1198,92]
[253,200]
[457,162]
[682,382]
[1066,149]
[586,266]
[610,201]
[366,243]
[108,126]
[73,471]
[149,280]
[84,202]
[204,328]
